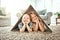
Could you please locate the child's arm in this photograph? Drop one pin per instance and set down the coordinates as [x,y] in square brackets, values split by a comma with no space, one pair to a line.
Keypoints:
[35,27]
[21,27]
[29,27]
[41,26]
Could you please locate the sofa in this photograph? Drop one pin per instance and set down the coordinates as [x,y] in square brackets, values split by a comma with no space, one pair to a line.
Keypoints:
[46,16]
[5,18]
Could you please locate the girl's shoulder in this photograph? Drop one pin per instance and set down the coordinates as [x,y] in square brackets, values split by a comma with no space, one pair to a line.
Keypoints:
[30,24]
[21,23]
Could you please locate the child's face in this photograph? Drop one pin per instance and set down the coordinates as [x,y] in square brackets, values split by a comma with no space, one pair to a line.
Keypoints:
[34,17]
[26,19]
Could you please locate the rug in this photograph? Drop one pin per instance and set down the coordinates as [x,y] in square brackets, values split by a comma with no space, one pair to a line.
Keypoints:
[7,34]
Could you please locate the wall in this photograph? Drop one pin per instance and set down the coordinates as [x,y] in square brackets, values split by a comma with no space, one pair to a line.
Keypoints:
[14,6]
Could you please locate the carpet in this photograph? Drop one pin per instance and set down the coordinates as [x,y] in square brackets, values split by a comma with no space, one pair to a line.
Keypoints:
[7,34]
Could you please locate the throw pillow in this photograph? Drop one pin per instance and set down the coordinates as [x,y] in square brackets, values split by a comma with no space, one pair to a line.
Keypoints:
[42,12]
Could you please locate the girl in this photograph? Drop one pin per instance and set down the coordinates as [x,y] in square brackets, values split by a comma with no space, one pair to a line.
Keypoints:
[36,22]
[26,23]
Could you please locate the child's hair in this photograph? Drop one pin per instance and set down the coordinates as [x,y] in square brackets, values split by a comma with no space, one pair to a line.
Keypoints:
[24,14]
[33,13]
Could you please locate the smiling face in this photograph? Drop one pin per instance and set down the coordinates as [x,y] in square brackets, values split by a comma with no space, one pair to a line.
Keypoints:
[26,19]
[34,17]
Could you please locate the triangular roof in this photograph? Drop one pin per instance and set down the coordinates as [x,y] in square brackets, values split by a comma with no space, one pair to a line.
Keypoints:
[27,11]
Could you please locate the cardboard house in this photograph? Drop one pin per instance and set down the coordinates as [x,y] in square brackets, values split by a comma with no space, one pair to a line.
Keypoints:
[30,8]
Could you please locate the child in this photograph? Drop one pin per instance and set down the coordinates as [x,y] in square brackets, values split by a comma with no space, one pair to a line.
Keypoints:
[26,23]
[36,22]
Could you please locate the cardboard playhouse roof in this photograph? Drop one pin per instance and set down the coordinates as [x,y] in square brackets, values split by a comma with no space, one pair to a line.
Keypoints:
[30,8]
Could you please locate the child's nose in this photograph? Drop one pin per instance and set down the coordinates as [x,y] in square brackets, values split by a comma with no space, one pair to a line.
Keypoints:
[25,20]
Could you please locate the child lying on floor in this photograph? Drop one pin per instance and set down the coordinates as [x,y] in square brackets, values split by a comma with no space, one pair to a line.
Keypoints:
[36,23]
[26,23]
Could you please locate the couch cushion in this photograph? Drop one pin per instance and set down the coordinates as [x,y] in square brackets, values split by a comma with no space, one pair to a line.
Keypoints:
[43,17]
[1,13]
[42,12]
[4,17]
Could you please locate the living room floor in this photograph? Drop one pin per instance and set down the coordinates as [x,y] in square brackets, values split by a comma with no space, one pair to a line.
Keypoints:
[7,34]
